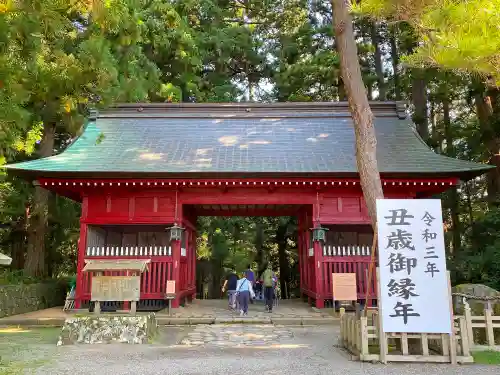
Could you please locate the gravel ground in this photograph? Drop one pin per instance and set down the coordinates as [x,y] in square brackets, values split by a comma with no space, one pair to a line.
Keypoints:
[303,350]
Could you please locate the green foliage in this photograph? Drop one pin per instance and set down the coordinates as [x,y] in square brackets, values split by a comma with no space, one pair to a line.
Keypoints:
[8,277]
[479,262]
[458,35]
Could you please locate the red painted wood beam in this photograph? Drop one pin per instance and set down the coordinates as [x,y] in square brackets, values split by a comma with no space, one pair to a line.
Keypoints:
[266,212]
[251,182]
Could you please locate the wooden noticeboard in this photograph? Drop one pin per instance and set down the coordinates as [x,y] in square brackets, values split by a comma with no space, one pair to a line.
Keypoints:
[344,287]
[115,288]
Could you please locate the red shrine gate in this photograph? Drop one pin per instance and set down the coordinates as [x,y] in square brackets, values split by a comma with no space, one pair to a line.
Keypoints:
[138,169]
[110,206]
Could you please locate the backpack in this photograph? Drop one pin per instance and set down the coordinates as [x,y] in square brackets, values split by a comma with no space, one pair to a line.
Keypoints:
[268,278]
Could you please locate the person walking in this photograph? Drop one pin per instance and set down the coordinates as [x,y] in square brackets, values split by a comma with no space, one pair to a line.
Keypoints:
[268,284]
[250,277]
[244,292]
[230,284]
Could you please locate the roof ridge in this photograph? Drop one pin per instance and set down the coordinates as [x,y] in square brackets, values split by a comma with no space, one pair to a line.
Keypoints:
[282,109]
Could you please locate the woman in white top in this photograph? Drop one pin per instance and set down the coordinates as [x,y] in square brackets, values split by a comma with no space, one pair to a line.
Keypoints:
[245,292]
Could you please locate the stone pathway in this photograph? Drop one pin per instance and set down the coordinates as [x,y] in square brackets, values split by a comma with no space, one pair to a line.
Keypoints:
[289,312]
[237,335]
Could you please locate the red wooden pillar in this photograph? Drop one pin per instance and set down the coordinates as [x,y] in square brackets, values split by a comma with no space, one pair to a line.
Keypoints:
[82,246]
[176,259]
[301,260]
[307,265]
[318,274]
[193,264]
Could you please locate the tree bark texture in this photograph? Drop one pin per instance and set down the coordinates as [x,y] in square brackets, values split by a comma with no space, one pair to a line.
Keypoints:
[486,111]
[366,142]
[281,240]
[395,62]
[419,98]
[35,256]
[382,95]
[453,197]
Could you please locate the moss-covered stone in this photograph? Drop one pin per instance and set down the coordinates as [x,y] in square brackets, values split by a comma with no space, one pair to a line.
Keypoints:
[98,329]
[24,298]
[477,307]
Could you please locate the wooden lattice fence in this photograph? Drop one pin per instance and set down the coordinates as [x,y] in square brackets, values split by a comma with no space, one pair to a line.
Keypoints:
[361,336]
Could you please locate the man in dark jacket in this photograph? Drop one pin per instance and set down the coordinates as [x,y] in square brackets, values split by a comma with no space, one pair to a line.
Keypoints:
[230,285]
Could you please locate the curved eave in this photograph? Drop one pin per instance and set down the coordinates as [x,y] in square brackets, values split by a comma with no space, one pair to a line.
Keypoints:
[31,175]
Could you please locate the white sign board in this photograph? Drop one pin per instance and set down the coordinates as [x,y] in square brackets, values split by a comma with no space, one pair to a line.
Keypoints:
[412,266]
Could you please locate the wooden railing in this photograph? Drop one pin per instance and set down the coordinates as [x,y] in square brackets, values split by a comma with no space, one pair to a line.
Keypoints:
[361,336]
[482,330]
[153,281]
[349,250]
[347,259]
[127,251]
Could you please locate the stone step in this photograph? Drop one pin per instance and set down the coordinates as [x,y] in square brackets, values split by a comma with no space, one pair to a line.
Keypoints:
[166,320]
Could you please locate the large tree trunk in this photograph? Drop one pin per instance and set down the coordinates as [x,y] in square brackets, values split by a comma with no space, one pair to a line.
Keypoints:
[35,257]
[419,98]
[18,245]
[485,107]
[366,142]
[259,246]
[453,193]
[281,239]
[395,61]
[378,62]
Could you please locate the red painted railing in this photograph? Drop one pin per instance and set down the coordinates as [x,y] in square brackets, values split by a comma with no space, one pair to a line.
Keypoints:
[338,259]
[153,281]
[348,264]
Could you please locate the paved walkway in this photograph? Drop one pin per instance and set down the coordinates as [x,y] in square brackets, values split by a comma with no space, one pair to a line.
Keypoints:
[289,312]
[234,350]
[238,336]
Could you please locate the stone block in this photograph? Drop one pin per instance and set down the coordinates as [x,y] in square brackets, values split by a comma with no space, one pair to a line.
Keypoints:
[287,321]
[201,320]
[319,321]
[477,306]
[99,329]
[178,321]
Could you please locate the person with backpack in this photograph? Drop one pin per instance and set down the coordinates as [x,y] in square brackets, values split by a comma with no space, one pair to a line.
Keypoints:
[268,278]
[244,292]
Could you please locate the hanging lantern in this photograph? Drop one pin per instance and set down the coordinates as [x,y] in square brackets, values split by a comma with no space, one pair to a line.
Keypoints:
[319,233]
[176,232]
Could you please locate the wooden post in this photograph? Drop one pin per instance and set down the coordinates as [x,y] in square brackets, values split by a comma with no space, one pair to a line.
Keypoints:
[468,323]
[425,344]
[176,258]
[490,335]
[82,247]
[133,307]
[370,270]
[97,308]
[453,343]
[364,350]
[464,337]
[318,274]
[382,339]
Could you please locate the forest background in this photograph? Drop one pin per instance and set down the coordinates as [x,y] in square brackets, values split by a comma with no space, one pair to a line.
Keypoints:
[60,58]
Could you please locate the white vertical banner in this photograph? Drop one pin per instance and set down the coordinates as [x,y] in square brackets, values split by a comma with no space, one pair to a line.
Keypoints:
[412,266]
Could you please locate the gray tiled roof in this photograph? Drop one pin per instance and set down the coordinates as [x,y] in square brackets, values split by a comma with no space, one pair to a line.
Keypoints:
[293,138]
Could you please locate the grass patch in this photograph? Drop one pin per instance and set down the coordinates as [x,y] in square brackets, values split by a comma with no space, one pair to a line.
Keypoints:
[26,349]
[487,357]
